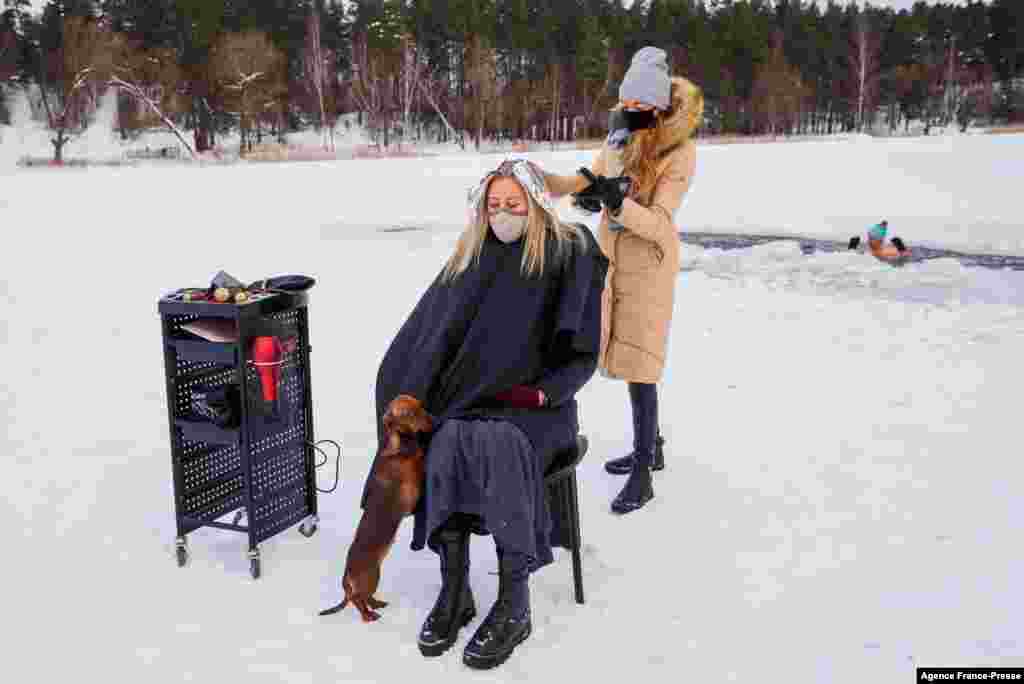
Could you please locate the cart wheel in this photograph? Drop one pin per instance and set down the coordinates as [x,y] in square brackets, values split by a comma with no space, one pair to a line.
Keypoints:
[308,527]
[181,551]
[254,564]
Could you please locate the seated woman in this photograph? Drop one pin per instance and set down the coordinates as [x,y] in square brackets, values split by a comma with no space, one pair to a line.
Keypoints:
[496,349]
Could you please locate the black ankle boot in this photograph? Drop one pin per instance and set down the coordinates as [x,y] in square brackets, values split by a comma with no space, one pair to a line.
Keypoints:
[508,623]
[637,492]
[623,465]
[454,607]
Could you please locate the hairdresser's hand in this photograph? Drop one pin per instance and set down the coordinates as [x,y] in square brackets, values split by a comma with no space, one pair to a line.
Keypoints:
[611,191]
[587,199]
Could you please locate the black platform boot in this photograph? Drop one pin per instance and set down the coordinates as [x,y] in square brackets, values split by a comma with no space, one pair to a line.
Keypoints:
[623,465]
[639,488]
[454,607]
[508,623]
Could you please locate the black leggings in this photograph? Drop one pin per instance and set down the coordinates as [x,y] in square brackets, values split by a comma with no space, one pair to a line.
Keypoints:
[644,398]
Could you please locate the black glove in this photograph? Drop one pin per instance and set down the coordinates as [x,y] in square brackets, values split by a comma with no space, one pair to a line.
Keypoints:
[611,191]
[898,243]
[587,199]
[854,242]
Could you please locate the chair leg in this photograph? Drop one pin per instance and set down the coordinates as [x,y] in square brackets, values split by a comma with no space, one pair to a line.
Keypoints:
[577,542]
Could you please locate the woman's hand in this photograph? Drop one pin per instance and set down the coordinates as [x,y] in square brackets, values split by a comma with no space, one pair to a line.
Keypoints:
[522,396]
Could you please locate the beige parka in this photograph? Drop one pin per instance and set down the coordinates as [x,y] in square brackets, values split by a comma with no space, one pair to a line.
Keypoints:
[639,293]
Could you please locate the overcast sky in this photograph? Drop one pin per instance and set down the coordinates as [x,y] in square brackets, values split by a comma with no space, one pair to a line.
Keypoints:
[898,4]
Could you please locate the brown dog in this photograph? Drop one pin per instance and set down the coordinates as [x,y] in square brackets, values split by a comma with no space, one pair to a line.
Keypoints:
[391,495]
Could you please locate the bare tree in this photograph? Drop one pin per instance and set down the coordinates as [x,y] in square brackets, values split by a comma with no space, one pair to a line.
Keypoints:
[482,76]
[972,96]
[372,84]
[864,66]
[151,78]
[73,75]
[778,92]
[427,88]
[951,86]
[249,71]
[516,107]
[556,99]
[409,82]
[984,94]
[936,105]
[906,83]
[314,66]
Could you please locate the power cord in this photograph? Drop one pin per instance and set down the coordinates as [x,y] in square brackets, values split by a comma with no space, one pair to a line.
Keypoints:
[337,462]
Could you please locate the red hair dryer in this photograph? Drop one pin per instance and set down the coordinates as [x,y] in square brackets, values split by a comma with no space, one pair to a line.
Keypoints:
[267,354]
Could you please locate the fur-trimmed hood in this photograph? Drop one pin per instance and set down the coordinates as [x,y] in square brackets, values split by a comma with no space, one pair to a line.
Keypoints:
[687,109]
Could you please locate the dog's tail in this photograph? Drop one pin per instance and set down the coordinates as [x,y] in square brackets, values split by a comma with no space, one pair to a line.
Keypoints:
[335,609]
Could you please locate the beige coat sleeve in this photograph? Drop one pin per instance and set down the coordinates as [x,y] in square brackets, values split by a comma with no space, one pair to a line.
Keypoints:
[656,223]
[564,185]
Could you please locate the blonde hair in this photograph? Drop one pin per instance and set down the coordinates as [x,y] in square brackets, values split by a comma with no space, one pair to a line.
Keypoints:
[540,226]
[642,156]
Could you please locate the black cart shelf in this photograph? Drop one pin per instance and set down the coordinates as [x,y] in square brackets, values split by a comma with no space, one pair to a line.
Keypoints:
[264,470]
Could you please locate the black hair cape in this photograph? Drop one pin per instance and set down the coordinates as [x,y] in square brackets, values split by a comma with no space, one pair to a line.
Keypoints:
[492,328]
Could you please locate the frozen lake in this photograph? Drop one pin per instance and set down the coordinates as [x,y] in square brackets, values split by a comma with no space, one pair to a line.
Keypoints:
[840,502]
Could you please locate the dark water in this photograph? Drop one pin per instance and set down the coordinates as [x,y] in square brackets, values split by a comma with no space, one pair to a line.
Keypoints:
[991,278]
[810,246]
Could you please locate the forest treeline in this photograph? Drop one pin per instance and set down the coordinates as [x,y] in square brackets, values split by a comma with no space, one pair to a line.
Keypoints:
[472,70]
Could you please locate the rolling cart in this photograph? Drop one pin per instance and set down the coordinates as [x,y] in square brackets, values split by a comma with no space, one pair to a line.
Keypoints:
[263,469]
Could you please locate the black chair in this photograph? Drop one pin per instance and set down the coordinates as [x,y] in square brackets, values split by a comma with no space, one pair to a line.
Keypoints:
[563,501]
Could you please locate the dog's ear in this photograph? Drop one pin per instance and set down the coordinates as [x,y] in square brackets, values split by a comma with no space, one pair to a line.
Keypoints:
[425,422]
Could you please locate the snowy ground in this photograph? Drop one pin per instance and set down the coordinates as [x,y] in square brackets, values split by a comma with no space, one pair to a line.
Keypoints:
[839,501]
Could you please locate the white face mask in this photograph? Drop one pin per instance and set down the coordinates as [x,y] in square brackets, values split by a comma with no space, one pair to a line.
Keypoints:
[508,227]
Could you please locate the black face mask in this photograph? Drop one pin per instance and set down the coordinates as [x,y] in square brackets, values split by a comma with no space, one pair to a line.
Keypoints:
[631,120]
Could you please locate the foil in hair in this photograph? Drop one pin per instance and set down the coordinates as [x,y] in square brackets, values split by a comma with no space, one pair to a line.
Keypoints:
[529,176]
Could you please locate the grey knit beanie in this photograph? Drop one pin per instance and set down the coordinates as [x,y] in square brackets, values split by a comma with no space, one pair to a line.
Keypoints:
[647,78]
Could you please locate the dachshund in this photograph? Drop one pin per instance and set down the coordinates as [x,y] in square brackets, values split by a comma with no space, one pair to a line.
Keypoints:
[392,493]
